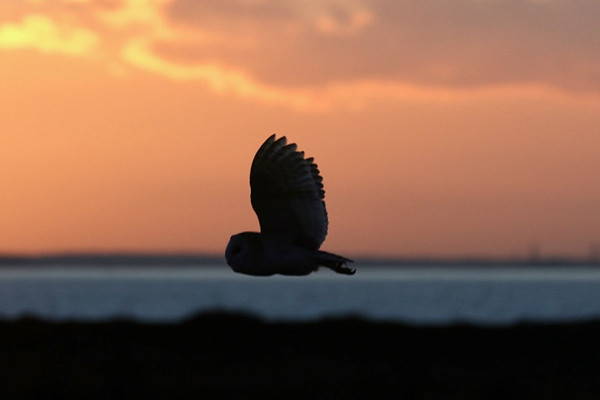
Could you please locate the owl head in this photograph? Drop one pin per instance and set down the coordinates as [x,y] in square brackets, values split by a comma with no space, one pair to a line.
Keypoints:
[241,250]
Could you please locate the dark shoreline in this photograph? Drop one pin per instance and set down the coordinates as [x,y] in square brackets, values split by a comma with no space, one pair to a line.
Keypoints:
[236,356]
[199,260]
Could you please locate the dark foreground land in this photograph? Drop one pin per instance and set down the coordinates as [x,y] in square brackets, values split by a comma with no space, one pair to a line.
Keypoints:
[232,356]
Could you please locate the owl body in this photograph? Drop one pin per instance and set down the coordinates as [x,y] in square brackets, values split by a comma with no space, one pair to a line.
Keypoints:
[288,198]
[252,253]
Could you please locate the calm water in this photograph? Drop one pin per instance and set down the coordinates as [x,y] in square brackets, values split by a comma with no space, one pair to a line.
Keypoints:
[421,295]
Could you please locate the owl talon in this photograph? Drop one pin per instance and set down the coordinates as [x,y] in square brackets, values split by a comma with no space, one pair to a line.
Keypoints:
[343,269]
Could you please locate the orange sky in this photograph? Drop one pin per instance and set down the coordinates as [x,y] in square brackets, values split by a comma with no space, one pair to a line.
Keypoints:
[442,128]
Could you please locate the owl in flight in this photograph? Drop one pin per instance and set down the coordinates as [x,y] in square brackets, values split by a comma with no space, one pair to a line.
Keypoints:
[287,196]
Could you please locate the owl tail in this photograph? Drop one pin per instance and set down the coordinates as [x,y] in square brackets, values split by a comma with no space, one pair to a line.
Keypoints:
[335,262]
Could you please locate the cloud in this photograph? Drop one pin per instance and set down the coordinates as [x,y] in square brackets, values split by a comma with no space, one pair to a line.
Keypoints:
[453,43]
[319,54]
[335,17]
[140,17]
[350,25]
[221,80]
[353,94]
[42,33]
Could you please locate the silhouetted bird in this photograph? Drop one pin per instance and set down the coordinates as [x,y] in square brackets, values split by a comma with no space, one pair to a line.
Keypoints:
[287,196]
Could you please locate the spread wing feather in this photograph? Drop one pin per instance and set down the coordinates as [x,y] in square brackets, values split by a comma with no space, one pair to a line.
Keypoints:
[287,193]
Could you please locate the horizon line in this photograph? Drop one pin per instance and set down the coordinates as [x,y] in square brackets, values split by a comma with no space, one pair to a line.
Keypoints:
[144,257]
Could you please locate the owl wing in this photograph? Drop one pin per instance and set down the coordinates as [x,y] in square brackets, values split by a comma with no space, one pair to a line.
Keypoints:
[287,193]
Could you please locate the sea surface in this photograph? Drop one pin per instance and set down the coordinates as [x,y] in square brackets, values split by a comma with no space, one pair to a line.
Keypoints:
[423,295]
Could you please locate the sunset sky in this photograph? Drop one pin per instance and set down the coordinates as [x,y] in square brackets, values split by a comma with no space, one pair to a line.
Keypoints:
[442,128]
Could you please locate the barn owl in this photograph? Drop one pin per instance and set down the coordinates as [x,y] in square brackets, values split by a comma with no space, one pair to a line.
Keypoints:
[287,196]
